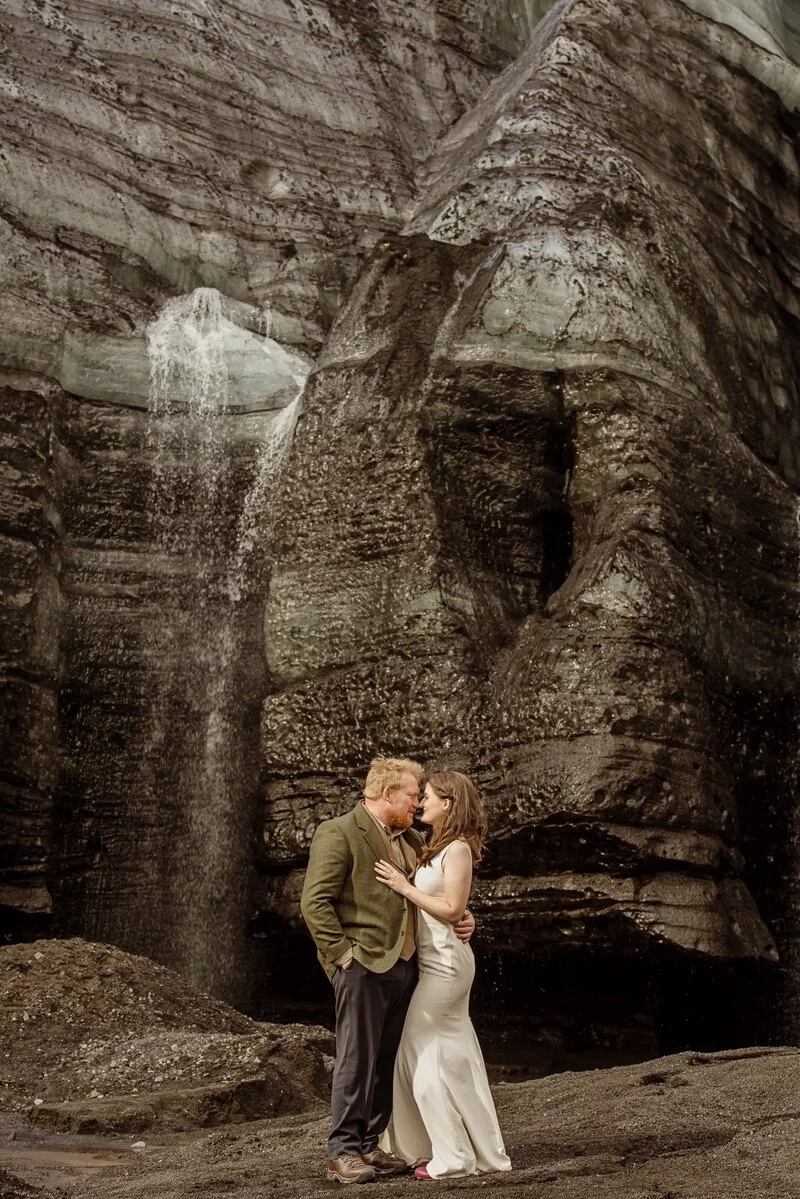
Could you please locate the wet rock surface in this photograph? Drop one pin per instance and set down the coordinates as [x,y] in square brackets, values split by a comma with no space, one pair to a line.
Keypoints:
[29,652]
[261,152]
[540,516]
[539,520]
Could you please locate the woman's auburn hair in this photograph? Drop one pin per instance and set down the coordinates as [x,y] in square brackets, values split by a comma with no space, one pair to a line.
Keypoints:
[464,820]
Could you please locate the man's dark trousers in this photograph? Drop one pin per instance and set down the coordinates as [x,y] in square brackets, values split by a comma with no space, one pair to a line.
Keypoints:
[370,1013]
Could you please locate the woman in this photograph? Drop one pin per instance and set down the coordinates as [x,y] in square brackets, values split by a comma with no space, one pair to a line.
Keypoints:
[443,1115]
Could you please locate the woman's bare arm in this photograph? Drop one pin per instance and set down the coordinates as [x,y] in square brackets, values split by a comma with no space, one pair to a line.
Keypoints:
[457,870]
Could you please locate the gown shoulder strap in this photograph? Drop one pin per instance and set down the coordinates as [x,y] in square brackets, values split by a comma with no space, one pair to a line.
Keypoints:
[442,852]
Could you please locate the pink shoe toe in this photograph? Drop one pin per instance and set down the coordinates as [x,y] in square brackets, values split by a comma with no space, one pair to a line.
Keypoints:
[422,1174]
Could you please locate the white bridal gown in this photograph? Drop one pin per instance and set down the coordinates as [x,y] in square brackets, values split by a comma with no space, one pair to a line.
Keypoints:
[443,1111]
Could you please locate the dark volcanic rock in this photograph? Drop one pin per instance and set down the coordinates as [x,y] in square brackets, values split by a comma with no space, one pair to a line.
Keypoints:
[147,628]
[258,152]
[29,651]
[540,517]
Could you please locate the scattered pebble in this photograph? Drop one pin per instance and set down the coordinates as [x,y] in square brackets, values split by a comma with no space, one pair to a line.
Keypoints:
[91,1023]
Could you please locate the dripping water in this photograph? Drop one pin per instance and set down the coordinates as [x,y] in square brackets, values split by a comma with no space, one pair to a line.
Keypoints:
[791,948]
[214,469]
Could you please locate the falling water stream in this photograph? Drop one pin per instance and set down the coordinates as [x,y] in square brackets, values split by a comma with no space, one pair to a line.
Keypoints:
[215,465]
[791,1006]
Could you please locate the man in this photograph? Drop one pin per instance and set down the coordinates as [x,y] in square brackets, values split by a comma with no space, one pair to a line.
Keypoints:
[366,941]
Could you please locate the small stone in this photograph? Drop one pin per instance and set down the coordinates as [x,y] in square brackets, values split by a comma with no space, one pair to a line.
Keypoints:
[139,1146]
[38,1102]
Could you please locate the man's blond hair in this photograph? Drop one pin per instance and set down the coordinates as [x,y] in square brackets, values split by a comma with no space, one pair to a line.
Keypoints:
[388,772]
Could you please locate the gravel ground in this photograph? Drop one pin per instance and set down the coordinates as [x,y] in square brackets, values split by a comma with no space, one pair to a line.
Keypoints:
[690,1126]
[85,1025]
[721,1126]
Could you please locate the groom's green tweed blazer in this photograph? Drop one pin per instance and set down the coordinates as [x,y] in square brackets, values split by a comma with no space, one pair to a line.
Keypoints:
[343,903]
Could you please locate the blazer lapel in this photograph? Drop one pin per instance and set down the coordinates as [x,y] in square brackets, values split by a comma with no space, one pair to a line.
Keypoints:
[370,830]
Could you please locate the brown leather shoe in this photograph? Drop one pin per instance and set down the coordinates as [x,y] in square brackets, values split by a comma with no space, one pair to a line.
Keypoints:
[350,1167]
[385,1164]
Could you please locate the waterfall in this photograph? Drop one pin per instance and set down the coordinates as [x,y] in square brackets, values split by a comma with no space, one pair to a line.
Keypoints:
[222,408]
[791,884]
[186,351]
